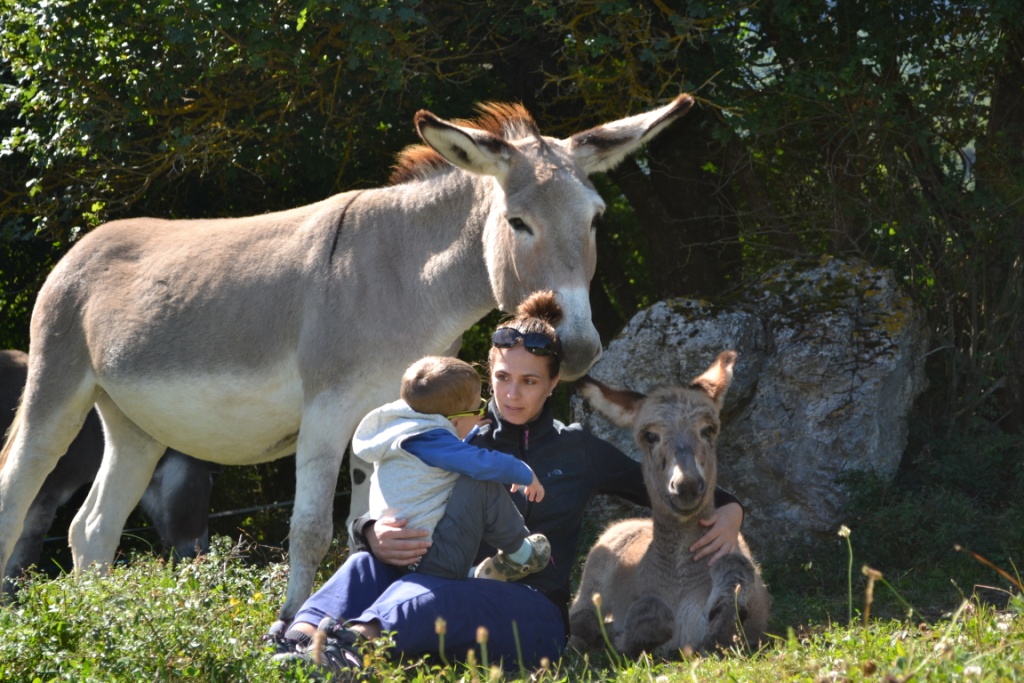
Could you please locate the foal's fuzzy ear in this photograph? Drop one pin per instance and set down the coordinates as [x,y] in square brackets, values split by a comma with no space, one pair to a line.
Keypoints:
[470,149]
[716,379]
[618,405]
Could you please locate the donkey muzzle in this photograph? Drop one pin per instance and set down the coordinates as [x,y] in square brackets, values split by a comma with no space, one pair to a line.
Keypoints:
[687,490]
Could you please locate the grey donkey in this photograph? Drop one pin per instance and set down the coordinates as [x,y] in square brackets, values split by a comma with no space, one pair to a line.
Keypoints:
[653,597]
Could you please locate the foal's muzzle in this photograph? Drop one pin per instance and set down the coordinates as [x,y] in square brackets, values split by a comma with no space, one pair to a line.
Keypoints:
[687,484]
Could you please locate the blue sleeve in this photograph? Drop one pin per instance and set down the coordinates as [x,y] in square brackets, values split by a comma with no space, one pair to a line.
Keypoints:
[440,448]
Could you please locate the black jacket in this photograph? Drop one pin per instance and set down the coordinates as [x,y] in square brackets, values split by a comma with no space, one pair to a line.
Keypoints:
[574,466]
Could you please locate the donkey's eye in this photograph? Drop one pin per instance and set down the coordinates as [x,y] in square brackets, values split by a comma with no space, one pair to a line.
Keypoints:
[595,222]
[708,432]
[651,437]
[519,225]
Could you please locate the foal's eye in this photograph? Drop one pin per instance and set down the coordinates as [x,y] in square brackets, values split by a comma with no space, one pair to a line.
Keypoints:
[651,437]
[519,225]
[708,432]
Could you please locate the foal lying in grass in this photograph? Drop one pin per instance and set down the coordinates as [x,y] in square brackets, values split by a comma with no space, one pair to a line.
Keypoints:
[654,597]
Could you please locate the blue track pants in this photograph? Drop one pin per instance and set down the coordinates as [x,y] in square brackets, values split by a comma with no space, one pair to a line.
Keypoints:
[408,604]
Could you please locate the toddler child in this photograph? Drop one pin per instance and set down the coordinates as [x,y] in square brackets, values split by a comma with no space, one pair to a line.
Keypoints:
[424,471]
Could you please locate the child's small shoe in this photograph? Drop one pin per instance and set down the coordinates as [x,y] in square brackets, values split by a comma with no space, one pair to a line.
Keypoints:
[501,567]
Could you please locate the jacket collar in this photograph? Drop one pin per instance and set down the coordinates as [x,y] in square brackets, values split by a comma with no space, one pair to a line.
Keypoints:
[503,432]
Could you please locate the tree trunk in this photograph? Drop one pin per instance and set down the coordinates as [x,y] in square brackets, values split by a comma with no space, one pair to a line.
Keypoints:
[999,171]
[685,210]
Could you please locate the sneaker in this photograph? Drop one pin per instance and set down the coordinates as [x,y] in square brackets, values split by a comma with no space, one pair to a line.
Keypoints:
[332,653]
[502,568]
[276,638]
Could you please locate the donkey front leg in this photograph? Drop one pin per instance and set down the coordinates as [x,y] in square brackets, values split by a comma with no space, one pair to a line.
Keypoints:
[129,457]
[733,577]
[359,474]
[326,429]
[648,623]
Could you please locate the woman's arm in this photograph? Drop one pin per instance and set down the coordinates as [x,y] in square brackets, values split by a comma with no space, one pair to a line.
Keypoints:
[616,472]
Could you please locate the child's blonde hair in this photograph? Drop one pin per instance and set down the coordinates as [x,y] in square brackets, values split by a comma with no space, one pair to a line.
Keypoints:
[441,385]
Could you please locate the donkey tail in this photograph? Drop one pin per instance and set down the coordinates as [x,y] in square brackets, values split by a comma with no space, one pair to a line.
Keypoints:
[12,433]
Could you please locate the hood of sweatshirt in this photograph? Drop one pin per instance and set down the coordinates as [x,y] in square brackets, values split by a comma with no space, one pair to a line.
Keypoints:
[384,428]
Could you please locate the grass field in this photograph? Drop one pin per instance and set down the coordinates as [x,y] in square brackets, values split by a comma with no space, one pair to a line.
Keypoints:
[202,621]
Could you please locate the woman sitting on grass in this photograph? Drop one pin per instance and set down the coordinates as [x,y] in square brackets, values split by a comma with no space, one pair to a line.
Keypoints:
[372,592]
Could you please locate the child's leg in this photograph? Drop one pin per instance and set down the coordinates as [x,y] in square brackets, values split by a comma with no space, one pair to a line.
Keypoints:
[503,525]
[447,555]
[481,510]
[456,538]
[476,511]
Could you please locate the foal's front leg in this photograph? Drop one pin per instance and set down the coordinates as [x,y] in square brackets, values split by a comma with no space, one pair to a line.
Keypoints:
[585,628]
[648,623]
[732,577]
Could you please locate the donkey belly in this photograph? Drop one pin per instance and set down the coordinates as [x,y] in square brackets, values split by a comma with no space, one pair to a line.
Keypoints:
[231,418]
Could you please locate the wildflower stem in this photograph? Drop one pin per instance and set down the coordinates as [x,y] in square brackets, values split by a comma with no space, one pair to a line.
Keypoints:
[481,638]
[739,621]
[604,633]
[519,649]
[441,627]
[910,609]
[844,531]
[869,592]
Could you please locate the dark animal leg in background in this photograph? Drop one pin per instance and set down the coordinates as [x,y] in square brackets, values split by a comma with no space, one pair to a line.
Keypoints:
[178,502]
[37,522]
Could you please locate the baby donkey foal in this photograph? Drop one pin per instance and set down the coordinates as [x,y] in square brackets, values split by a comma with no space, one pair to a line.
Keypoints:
[654,597]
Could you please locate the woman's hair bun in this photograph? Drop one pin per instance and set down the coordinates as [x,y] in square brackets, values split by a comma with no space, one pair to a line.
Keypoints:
[541,305]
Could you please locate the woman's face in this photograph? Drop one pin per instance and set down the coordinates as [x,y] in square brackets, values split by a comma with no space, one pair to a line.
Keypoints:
[520,383]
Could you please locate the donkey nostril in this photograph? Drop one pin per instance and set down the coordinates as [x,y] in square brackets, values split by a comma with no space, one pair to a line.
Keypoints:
[687,486]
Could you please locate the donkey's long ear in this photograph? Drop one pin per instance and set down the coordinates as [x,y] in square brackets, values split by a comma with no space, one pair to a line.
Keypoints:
[470,149]
[716,379]
[603,147]
[618,405]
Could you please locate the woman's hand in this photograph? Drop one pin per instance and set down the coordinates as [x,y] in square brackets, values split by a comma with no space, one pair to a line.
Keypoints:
[723,535]
[392,543]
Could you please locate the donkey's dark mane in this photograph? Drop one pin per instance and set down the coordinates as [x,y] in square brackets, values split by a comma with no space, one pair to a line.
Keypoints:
[509,121]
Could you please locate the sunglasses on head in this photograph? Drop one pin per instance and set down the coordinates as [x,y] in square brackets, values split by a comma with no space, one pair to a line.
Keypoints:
[536,343]
[478,412]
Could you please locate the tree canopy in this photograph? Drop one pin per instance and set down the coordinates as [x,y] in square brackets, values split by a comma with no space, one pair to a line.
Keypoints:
[889,131]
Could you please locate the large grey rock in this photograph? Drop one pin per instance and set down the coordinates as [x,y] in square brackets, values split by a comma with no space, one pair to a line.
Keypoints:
[831,357]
